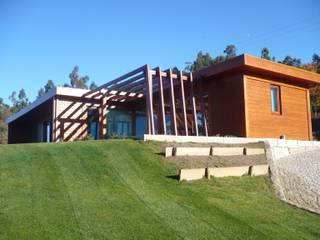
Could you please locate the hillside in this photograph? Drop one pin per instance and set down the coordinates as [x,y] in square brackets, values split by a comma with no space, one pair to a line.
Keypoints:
[123,189]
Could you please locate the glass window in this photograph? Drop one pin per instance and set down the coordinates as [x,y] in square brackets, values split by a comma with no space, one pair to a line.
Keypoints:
[141,126]
[119,123]
[47,130]
[275,99]
[93,128]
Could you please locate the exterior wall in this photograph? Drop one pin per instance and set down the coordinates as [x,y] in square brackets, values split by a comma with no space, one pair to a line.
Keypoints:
[71,119]
[29,127]
[294,120]
[226,106]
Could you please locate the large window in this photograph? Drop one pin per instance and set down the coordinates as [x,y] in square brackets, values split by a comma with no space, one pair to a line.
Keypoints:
[275,99]
[119,123]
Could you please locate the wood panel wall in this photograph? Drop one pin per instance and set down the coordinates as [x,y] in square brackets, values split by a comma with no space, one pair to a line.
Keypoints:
[70,121]
[226,106]
[293,122]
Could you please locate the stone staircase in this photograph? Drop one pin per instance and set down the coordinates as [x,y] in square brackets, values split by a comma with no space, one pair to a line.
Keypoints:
[197,162]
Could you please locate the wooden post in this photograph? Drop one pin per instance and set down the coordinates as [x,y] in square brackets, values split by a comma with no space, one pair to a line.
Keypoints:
[149,101]
[54,120]
[204,118]
[61,130]
[193,103]
[183,104]
[103,117]
[172,105]
[161,103]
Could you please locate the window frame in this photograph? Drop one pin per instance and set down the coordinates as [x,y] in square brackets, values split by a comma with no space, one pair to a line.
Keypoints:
[279,110]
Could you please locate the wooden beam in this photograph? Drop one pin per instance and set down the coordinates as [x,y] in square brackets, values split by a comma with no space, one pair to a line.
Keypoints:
[161,103]
[204,117]
[173,123]
[183,104]
[103,117]
[193,103]
[149,101]
[78,99]
[117,86]
[117,80]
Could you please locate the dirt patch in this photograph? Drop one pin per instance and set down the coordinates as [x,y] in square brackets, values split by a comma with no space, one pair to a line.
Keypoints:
[251,145]
[218,161]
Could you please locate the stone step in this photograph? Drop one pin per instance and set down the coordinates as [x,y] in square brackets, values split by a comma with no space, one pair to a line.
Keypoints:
[199,173]
[212,151]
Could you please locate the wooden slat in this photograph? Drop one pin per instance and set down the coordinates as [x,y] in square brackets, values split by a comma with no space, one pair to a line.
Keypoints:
[204,117]
[117,86]
[103,117]
[161,103]
[149,102]
[133,86]
[183,104]
[136,71]
[172,105]
[193,103]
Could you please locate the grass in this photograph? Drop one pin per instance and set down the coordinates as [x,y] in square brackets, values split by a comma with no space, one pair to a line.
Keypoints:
[121,189]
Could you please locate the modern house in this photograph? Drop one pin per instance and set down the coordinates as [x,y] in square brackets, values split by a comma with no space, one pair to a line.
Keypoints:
[244,96]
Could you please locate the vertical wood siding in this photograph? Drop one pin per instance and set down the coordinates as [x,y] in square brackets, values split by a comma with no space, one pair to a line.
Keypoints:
[293,122]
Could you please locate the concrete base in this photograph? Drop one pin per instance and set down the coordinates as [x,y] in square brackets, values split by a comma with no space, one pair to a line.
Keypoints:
[192,151]
[254,151]
[259,170]
[192,174]
[227,151]
[169,152]
[229,171]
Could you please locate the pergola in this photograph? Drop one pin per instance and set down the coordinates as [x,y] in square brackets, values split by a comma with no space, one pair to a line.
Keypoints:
[146,83]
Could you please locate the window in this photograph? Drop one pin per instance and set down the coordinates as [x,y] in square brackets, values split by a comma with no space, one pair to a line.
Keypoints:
[120,123]
[275,99]
[93,123]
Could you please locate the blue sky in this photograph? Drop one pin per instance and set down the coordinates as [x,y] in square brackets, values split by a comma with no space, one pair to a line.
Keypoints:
[41,40]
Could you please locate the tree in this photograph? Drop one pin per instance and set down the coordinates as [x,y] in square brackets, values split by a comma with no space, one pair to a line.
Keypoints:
[295,62]
[203,60]
[49,85]
[230,51]
[19,103]
[4,113]
[76,81]
[265,54]
[41,92]
[316,62]
[93,86]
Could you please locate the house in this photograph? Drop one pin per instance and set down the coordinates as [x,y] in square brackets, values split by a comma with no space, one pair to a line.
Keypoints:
[244,96]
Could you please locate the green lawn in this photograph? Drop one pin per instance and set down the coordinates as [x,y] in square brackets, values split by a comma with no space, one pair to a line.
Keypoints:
[122,189]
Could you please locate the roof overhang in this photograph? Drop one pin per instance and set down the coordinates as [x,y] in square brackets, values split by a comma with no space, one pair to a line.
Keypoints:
[250,63]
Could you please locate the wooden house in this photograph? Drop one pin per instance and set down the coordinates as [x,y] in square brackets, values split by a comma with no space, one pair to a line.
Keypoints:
[244,96]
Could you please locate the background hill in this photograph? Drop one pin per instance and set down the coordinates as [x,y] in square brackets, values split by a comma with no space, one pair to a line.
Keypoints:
[123,189]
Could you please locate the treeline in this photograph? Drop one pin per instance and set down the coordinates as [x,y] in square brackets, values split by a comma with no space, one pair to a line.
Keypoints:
[20,100]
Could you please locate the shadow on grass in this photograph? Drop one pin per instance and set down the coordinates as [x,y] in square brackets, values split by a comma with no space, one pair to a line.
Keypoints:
[173,177]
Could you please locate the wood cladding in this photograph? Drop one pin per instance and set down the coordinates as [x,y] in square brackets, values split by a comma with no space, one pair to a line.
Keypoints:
[226,106]
[293,121]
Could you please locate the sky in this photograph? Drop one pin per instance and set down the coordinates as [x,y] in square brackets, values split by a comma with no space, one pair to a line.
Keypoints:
[41,40]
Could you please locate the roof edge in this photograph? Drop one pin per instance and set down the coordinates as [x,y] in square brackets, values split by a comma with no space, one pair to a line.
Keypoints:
[32,105]
[66,91]
[246,61]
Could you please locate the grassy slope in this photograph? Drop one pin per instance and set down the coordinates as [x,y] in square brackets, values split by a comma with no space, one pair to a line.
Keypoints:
[121,190]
